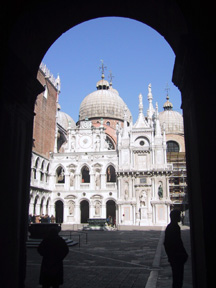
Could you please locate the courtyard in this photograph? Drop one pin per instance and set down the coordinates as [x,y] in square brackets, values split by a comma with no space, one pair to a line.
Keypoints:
[115,259]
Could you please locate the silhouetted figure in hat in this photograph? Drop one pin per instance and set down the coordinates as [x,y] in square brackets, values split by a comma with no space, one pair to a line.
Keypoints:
[175,250]
[53,249]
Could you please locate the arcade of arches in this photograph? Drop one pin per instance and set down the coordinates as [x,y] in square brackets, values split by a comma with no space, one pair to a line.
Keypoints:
[188,26]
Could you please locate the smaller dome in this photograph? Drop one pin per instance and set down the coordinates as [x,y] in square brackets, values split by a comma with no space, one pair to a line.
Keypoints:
[64,120]
[173,121]
[102,84]
[168,105]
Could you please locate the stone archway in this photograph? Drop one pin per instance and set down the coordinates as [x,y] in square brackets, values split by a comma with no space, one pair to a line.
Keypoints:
[189,29]
[84,211]
[111,210]
[59,211]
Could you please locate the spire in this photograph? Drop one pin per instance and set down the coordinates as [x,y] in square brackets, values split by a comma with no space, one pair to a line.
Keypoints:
[141,122]
[167,105]
[157,122]
[140,104]
[125,129]
[151,109]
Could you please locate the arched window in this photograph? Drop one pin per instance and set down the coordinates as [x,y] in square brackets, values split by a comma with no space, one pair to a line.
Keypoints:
[41,172]
[172,146]
[34,173]
[110,173]
[45,94]
[85,175]
[47,173]
[35,168]
[42,206]
[60,175]
[110,145]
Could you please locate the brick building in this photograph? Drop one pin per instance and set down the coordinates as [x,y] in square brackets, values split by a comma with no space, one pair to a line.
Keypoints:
[45,114]
[44,134]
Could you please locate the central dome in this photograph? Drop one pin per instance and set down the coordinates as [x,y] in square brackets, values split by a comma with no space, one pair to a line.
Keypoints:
[103,103]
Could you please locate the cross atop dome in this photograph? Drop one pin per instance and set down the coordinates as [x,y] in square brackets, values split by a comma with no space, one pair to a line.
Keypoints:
[167,105]
[110,77]
[102,84]
[102,68]
[167,89]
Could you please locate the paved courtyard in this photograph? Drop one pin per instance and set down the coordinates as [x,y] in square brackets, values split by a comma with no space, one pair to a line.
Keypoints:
[114,259]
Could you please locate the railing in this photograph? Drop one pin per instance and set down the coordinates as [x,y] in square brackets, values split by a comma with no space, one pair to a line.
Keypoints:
[72,234]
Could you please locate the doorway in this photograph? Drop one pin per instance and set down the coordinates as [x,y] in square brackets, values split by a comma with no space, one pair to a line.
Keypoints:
[111,210]
[59,211]
[84,211]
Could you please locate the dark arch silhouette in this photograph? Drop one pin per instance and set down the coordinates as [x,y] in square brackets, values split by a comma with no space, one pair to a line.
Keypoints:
[188,27]
[111,210]
[111,174]
[84,211]
[85,174]
[59,211]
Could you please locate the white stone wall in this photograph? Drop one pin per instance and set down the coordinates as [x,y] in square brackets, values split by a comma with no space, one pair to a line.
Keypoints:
[141,190]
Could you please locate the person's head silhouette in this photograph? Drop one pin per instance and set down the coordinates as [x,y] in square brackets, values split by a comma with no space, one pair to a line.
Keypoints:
[175,216]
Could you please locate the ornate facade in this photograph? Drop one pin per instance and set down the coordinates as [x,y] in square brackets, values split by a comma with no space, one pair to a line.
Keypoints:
[106,165]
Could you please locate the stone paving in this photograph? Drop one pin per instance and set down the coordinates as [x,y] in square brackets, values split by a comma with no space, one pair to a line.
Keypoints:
[110,259]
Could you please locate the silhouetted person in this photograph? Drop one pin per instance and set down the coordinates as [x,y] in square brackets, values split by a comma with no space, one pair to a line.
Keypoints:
[53,249]
[175,250]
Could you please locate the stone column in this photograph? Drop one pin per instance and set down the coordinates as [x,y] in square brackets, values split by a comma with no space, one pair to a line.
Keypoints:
[133,188]
[134,213]
[77,181]
[91,209]
[103,181]
[67,181]
[31,208]
[117,214]
[154,214]
[52,209]
[119,187]
[92,181]
[153,188]
[65,212]
[103,210]
[77,213]
[167,188]
[37,209]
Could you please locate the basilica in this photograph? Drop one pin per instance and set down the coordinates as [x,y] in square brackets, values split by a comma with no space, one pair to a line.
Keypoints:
[105,164]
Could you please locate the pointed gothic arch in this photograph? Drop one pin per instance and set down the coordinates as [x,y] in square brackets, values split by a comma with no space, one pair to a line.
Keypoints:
[84,211]
[111,211]
[59,211]
[85,176]
[47,172]
[111,174]
[60,174]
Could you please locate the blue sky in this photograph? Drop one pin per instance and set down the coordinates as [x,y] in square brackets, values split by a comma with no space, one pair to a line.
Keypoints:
[135,53]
